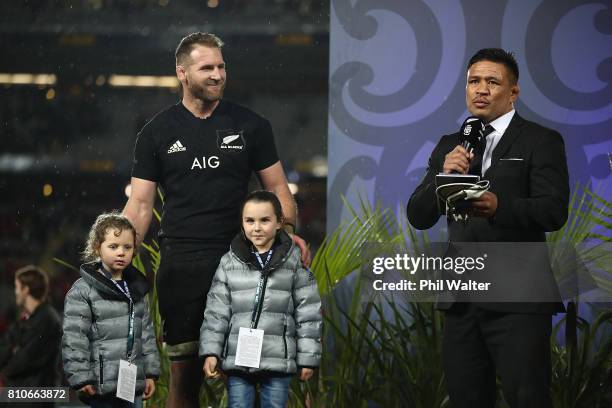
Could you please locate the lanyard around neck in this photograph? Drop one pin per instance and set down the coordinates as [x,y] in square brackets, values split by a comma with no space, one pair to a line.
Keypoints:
[262,263]
[260,286]
[126,291]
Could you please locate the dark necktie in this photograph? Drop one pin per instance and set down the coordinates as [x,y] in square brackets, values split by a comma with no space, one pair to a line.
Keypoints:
[476,164]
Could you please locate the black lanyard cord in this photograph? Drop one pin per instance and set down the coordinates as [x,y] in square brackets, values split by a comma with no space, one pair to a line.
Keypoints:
[259,293]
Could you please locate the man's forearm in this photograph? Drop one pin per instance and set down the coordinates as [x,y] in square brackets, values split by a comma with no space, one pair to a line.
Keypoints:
[273,179]
[289,206]
[140,214]
[423,208]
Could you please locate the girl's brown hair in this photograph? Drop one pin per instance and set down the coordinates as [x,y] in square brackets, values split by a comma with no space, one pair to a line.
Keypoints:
[104,222]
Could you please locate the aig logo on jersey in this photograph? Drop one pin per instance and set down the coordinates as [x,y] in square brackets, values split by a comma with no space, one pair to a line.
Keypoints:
[230,141]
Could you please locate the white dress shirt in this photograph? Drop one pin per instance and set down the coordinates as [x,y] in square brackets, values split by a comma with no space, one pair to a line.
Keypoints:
[500,125]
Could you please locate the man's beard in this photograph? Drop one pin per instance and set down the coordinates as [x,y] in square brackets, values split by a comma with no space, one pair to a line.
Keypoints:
[202,93]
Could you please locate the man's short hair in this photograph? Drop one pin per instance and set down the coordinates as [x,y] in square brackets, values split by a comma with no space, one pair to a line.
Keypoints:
[186,45]
[34,278]
[500,56]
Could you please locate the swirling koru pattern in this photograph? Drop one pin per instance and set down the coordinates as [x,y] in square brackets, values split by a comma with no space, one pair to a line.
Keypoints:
[397,80]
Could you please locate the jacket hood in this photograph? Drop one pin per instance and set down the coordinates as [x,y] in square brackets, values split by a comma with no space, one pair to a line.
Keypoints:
[136,281]
[241,248]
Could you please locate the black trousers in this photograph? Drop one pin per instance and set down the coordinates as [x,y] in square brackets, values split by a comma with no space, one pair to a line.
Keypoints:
[478,343]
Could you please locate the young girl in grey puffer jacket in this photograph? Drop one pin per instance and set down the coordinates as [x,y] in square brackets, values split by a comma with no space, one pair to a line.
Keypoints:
[261,285]
[97,313]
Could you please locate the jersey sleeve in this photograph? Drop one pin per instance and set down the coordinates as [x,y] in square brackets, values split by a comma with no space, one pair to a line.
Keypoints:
[264,154]
[146,160]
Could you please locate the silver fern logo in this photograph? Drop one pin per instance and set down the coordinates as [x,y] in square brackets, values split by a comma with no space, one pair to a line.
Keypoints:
[230,141]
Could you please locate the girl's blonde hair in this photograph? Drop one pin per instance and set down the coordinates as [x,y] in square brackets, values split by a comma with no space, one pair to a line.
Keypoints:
[104,222]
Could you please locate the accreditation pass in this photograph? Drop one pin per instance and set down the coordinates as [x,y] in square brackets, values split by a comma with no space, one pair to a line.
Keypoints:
[248,352]
[126,383]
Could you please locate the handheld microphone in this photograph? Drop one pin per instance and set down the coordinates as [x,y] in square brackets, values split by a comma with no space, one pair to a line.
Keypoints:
[473,138]
[471,135]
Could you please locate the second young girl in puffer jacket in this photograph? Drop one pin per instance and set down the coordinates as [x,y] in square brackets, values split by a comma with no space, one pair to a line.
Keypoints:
[261,285]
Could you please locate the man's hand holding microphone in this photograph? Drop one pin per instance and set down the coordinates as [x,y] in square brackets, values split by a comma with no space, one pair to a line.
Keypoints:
[467,158]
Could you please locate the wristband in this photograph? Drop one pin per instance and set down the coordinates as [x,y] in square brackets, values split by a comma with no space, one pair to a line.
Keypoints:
[288,224]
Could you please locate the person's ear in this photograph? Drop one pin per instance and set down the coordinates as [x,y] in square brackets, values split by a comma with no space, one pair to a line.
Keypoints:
[180,73]
[514,93]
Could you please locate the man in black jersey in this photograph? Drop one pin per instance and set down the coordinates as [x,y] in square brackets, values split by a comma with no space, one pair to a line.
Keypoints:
[202,152]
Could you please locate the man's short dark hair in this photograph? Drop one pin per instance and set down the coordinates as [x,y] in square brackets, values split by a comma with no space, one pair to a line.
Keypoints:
[500,56]
[34,278]
[186,45]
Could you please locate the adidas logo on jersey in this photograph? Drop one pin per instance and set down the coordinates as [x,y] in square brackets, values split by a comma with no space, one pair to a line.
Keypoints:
[177,147]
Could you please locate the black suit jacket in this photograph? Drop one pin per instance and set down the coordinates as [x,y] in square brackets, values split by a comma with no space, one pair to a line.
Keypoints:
[528,173]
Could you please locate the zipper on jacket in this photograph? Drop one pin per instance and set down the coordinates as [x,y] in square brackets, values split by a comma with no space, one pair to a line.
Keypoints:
[101,369]
[93,315]
[226,350]
[285,338]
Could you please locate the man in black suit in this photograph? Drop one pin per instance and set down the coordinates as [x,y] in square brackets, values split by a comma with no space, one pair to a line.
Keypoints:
[526,166]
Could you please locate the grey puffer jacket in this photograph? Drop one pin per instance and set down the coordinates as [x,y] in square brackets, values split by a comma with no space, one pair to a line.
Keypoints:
[289,314]
[96,320]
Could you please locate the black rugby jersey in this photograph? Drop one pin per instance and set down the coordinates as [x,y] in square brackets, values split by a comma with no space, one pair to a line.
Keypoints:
[203,167]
